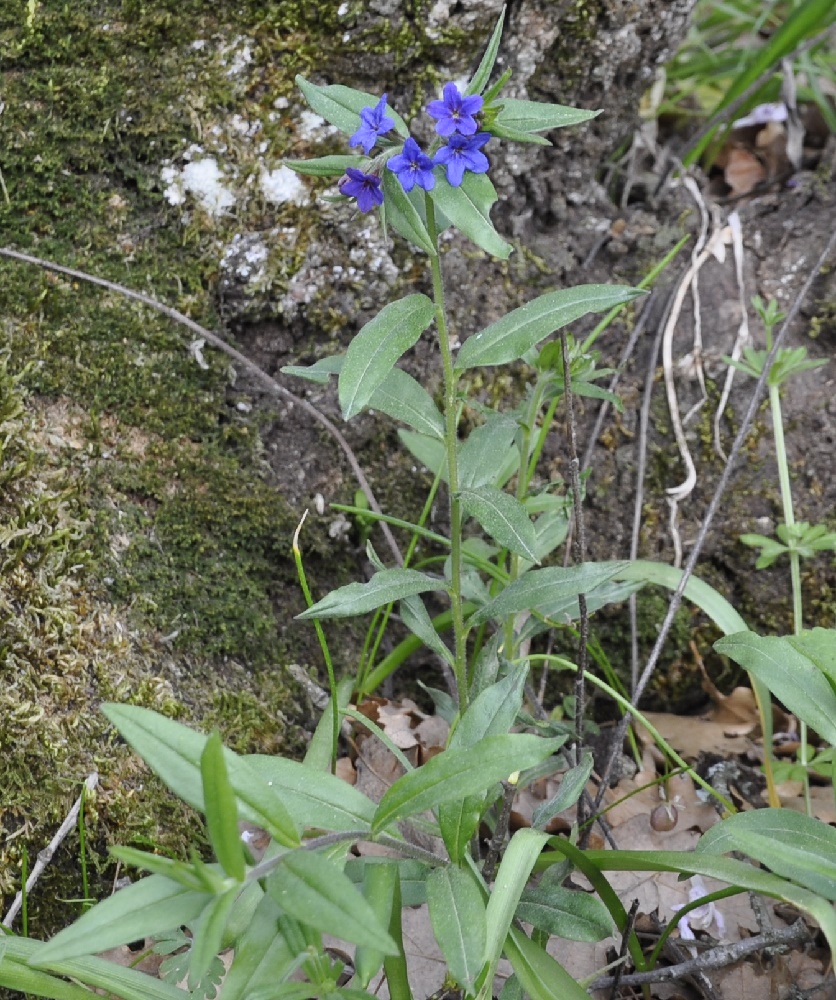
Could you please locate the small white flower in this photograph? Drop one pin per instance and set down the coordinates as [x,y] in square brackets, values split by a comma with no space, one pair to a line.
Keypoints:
[703,918]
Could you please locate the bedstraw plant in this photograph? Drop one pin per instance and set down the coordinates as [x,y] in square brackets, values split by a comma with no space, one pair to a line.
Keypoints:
[503,525]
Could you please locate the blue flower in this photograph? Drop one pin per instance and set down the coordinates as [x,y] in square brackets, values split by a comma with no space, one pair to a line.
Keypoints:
[364,187]
[374,122]
[455,112]
[413,167]
[463,153]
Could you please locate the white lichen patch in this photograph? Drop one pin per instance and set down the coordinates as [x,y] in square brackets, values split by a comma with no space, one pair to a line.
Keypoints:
[204,180]
[281,185]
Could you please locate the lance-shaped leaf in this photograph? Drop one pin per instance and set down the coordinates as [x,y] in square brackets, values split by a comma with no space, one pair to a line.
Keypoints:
[147,907]
[173,751]
[324,166]
[261,957]
[566,913]
[341,106]
[320,371]
[468,207]
[486,456]
[455,774]
[316,798]
[221,810]
[457,915]
[384,587]
[539,589]
[417,619]
[517,332]
[533,116]
[400,213]
[374,351]
[486,63]
[541,976]
[503,517]
[571,788]
[799,670]
[429,451]
[402,398]
[317,892]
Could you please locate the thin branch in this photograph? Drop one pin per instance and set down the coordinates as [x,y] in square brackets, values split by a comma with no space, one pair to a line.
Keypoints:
[46,855]
[270,384]
[717,958]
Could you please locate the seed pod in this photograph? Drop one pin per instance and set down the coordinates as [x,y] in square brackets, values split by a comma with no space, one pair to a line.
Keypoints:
[664,817]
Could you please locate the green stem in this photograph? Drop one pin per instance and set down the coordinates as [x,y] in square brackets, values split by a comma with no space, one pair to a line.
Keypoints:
[451,442]
[795,560]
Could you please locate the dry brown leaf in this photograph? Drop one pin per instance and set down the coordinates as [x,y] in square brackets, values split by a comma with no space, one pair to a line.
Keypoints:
[691,735]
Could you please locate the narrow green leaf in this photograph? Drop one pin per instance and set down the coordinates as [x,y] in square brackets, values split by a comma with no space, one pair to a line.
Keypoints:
[384,587]
[503,517]
[324,166]
[798,847]
[379,883]
[399,396]
[790,668]
[341,106]
[147,907]
[402,215]
[486,63]
[319,372]
[457,915]
[262,957]
[412,876]
[221,810]
[541,976]
[468,208]
[516,135]
[16,954]
[317,798]
[156,864]
[429,451]
[566,913]
[571,788]
[514,870]
[486,457]
[456,773]
[533,116]
[317,892]
[509,338]
[375,349]
[320,749]
[540,589]
[173,751]
[208,935]
[417,619]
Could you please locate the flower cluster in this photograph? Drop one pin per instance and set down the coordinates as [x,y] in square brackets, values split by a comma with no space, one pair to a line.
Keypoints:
[455,121]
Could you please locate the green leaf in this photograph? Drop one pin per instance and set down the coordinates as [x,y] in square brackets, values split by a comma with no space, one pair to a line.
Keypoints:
[457,915]
[262,957]
[177,871]
[514,870]
[468,208]
[379,883]
[221,810]
[503,517]
[566,913]
[533,116]
[540,589]
[541,976]
[509,338]
[319,372]
[173,751]
[208,935]
[151,905]
[486,64]
[317,892]
[341,106]
[457,773]
[791,844]
[515,135]
[375,349]
[571,788]
[796,669]
[384,587]
[402,398]
[429,451]
[729,870]
[317,798]
[416,618]
[16,955]
[320,750]
[486,457]
[401,214]
[324,166]
[491,713]
[413,876]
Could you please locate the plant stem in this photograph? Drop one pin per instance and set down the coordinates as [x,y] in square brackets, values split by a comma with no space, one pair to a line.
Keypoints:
[451,442]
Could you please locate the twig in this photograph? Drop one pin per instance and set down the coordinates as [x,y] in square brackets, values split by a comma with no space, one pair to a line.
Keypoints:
[717,958]
[46,855]
[250,367]
[509,792]
[725,476]
[622,952]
